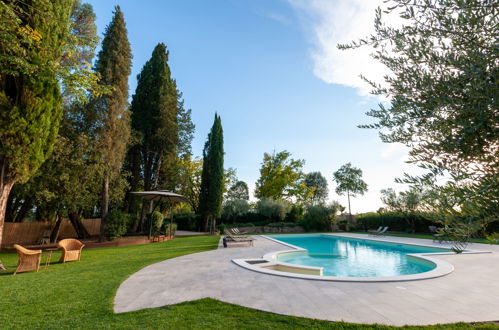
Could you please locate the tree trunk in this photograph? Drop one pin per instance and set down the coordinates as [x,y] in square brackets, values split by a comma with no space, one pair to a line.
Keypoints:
[5,189]
[21,214]
[349,209]
[104,206]
[80,229]
[55,232]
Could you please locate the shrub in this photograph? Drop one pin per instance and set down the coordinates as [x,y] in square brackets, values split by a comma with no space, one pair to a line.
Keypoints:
[166,228]
[273,209]
[295,214]
[235,208]
[282,224]
[157,219]
[187,221]
[395,221]
[319,217]
[117,224]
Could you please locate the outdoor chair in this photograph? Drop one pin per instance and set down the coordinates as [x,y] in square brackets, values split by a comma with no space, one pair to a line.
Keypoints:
[377,230]
[71,249]
[236,239]
[381,232]
[28,259]
[236,231]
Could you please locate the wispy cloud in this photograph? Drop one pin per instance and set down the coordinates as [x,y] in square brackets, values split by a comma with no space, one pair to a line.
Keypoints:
[330,22]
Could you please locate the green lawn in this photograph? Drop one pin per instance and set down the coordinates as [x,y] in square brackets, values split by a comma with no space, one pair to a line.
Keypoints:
[80,295]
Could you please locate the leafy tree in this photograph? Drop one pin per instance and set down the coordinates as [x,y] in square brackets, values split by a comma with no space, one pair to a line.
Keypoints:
[66,183]
[238,190]
[275,210]
[405,202]
[349,181]
[111,110]
[234,208]
[442,89]
[189,180]
[33,36]
[212,179]
[281,177]
[318,184]
[320,217]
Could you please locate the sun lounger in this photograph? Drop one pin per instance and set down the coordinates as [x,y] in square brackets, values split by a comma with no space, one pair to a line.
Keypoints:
[380,233]
[236,239]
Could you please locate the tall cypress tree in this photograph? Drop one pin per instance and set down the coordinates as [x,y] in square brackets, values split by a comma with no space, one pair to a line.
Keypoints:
[154,120]
[212,179]
[32,37]
[111,110]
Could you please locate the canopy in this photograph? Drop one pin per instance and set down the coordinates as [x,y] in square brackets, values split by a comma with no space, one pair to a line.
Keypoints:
[160,195]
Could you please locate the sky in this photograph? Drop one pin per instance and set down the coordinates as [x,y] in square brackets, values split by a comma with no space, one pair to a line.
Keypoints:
[271,70]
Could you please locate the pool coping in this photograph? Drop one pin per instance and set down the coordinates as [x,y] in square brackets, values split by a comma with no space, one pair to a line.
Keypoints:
[442,267]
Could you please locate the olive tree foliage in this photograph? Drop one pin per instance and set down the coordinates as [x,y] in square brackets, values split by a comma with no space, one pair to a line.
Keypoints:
[318,184]
[442,91]
[274,209]
[406,202]
[281,177]
[349,180]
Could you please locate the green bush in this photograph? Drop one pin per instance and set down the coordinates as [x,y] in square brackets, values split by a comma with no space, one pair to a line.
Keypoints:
[233,209]
[166,228]
[117,224]
[319,217]
[273,209]
[417,221]
[295,214]
[157,219]
[188,221]
[282,224]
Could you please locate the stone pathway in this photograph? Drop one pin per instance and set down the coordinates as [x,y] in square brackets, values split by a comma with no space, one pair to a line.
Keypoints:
[469,294]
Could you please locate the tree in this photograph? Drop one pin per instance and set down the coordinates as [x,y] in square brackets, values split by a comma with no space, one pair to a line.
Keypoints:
[238,190]
[318,184]
[188,181]
[33,36]
[66,183]
[349,181]
[212,179]
[281,177]
[405,202]
[442,89]
[111,110]
[154,112]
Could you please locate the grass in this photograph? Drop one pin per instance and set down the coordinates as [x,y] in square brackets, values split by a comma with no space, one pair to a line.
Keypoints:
[80,295]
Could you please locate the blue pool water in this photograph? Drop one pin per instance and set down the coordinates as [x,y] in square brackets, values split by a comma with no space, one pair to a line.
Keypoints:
[350,257]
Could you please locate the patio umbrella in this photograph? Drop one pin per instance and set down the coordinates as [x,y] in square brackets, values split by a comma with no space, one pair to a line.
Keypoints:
[160,196]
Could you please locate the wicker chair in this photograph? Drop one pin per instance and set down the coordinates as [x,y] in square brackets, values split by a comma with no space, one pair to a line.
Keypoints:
[28,259]
[71,249]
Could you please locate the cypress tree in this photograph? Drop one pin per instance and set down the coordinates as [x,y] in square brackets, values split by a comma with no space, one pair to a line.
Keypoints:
[32,38]
[154,120]
[111,110]
[212,178]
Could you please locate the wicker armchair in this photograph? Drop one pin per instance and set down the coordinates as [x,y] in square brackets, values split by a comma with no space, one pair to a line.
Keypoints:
[28,259]
[71,249]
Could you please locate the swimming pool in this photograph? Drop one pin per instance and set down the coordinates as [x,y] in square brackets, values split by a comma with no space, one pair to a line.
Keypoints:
[350,257]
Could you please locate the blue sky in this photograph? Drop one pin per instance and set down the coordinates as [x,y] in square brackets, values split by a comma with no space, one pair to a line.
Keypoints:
[272,72]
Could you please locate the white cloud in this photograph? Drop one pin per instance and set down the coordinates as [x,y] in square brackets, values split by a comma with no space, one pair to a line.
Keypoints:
[330,22]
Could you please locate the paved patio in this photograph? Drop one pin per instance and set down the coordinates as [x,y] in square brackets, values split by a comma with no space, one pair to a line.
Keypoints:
[469,294]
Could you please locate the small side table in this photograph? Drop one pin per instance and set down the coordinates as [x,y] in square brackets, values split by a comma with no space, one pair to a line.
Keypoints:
[48,255]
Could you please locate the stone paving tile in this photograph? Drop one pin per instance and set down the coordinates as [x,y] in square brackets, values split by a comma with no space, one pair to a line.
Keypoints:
[468,294]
